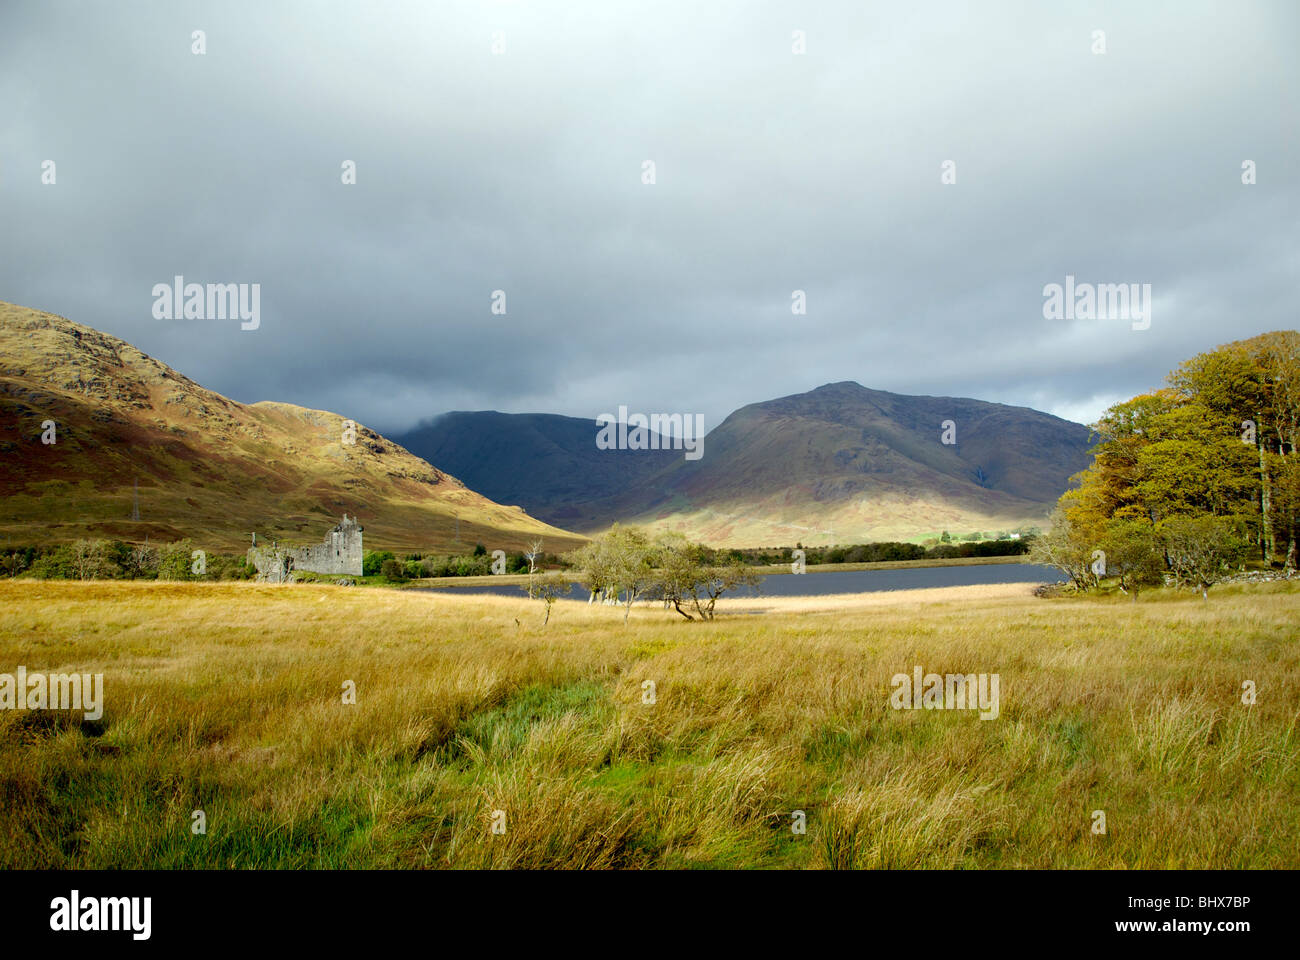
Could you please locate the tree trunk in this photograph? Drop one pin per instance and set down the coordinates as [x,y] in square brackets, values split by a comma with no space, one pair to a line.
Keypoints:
[1291,543]
[1265,497]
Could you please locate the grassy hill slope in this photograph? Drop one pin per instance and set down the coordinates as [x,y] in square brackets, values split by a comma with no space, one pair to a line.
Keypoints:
[207,467]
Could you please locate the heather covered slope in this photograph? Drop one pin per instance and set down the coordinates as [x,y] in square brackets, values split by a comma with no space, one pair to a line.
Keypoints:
[207,467]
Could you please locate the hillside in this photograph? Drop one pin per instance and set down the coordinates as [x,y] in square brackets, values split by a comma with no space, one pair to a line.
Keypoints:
[207,467]
[841,463]
[547,464]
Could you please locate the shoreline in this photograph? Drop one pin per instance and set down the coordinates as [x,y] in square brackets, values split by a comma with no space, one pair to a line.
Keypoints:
[521,579]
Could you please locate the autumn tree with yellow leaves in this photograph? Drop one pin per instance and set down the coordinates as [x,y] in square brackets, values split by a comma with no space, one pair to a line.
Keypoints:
[1219,442]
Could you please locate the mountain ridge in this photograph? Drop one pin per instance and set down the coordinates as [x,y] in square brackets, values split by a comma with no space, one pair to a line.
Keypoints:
[841,459]
[207,467]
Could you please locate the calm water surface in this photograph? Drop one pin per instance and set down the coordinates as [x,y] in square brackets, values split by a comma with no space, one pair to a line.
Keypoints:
[852,581]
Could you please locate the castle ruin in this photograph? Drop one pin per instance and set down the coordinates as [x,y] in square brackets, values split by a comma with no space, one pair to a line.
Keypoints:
[339,554]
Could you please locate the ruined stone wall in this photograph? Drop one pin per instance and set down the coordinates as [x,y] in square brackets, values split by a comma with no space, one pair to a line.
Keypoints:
[273,565]
[340,553]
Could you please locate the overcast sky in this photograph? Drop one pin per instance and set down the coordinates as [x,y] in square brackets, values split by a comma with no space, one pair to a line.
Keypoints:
[522,171]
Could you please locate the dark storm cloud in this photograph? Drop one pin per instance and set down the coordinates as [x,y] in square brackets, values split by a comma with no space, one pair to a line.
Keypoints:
[775,172]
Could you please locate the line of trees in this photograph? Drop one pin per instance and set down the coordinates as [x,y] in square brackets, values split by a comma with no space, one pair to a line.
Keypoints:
[1192,480]
[88,559]
[884,552]
[476,564]
[533,560]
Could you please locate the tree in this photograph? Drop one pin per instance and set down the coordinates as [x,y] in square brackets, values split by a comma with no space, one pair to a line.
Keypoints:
[690,576]
[14,560]
[89,561]
[142,561]
[1134,553]
[592,562]
[373,562]
[630,554]
[1202,551]
[1063,547]
[1286,496]
[531,554]
[1254,385]
[1280,356]
[393,569]
[549,588]
[1219,441]
[175,560]
[1195,463]
[616,563]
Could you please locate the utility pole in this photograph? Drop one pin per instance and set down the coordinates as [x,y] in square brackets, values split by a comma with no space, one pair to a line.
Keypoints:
[135,502]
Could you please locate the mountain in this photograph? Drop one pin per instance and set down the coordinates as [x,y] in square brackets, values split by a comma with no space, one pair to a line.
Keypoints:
[207,467]
[841,463]
[547,464]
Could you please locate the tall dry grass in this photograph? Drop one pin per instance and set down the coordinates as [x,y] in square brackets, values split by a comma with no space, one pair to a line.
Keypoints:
[227,698]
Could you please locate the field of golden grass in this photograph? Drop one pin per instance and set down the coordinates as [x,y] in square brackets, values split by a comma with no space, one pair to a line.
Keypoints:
[227,698]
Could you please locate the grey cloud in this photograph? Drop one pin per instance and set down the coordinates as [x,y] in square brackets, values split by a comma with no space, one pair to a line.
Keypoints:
[775,172]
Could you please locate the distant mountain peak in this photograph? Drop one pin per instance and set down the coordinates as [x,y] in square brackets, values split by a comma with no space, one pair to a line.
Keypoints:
[867,463]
